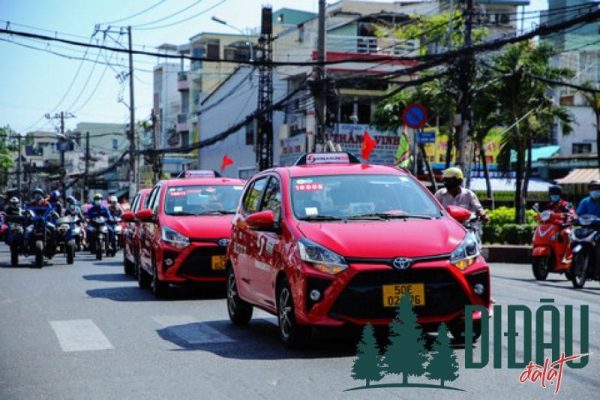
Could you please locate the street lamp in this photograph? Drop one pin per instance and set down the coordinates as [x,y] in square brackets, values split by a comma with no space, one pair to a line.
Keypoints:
[249,43]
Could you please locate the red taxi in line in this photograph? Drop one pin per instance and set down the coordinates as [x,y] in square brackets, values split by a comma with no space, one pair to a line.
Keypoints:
[185,230]
[131,233]
[330,242]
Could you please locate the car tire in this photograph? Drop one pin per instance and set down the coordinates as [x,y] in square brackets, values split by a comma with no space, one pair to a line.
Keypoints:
[128,266]
[159,288]
[240,312]
[292,334]
[143,277]
[457,329]
[540,267]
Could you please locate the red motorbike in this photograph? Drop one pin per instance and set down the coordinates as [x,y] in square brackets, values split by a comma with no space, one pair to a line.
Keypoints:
[551,250]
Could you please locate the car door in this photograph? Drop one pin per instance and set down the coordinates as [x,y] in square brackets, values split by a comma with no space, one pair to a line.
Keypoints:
[129,229]
[267,257]
[147,230]
[246,240]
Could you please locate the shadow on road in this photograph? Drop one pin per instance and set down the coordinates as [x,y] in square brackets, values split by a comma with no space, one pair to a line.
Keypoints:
[108,277]
[557,283]
[134,293]
[108,263]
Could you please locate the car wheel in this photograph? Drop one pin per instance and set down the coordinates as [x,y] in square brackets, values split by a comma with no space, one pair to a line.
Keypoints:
[240,312]
[457,329]
[291,333]
[128,266]
[142,276]
[541,267]
[159,288]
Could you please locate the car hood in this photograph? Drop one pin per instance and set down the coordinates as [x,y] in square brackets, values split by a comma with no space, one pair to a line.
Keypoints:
[387,239]
[202,227]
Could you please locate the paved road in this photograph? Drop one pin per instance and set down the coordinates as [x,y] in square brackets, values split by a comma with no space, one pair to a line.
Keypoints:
[88,332]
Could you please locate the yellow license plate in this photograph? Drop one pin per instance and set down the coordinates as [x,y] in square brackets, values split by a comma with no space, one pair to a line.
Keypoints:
[217,263]
[393,293]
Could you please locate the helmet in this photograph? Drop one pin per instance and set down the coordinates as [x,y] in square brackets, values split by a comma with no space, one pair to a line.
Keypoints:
[14,201]
[38,190]
[453,172]
[71,200]
[554,189]
[595,184]
[55,194]
[112,199]
[98,196]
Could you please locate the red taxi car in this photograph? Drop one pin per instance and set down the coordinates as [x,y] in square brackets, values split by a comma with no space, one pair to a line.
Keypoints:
[330,242]
[131,232]
[185,230]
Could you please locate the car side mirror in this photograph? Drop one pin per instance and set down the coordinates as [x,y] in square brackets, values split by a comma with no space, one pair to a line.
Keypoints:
[128,216]
[145,215]
[262,221]
[459,213]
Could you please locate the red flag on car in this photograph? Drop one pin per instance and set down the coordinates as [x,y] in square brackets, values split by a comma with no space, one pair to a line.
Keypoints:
[368,145]
[226,162]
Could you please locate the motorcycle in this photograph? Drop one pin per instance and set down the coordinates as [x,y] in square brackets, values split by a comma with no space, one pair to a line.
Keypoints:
[40,234]
[118,239]
[66,236]
[585,242]
[551,251]
[99,237]
[14,237]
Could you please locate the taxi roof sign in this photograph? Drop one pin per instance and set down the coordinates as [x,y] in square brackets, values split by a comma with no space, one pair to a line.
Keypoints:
[327,158]
[198,173]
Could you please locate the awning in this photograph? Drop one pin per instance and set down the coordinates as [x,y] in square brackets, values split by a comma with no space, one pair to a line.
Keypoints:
[580,176]
[508,185]
[537,153]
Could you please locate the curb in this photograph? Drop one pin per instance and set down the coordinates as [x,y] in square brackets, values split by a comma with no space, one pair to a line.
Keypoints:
[511,254]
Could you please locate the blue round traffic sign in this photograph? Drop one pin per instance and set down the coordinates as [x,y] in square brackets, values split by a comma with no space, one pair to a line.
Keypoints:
[414,115]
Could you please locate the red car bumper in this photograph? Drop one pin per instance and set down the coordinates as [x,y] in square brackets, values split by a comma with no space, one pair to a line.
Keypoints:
[198,262]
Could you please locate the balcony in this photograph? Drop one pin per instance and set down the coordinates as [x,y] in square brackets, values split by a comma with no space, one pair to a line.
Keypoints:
[371,45]
[182,82]
[182,124]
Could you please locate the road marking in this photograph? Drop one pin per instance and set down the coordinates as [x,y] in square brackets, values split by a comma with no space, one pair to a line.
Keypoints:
[80,335]
[190,330]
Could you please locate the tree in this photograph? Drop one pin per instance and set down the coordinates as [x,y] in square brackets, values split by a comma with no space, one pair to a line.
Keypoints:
[525,108]
[7,147]
[592,98]
[406,354]
[443,365]
[367,364]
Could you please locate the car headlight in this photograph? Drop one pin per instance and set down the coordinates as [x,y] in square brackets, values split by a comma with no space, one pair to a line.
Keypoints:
[321,258]
[466,252]
[174,238]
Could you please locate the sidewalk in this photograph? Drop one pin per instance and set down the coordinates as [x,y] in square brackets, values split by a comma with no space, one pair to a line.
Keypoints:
[507,253]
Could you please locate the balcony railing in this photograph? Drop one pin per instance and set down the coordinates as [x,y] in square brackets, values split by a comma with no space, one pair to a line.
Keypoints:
[182,82]
[371,45]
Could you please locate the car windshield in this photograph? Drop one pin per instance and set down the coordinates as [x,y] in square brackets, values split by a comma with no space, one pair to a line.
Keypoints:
[368,197]
[202,199]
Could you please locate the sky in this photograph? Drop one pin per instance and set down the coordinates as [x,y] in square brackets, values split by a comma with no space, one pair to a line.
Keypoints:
[35,82]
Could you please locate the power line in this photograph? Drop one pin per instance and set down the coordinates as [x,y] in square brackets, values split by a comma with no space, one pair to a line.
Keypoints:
[183,20]
[134,15]
[170,15]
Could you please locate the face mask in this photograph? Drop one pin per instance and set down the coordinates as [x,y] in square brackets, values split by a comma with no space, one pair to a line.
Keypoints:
[451,184]
[554,198]
[97,202]
[595,194]
[37,197]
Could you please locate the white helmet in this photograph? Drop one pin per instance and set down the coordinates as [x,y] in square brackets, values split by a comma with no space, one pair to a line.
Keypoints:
[112,199]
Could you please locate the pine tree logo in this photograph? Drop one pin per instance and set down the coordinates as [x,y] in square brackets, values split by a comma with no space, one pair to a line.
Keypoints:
[405,354]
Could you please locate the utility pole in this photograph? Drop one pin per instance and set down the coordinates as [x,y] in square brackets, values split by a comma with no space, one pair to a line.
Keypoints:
[19,137]
[155,157]
[87,167]
[62,142]
[131,171]
[466,120]
[320,84]
[264,145]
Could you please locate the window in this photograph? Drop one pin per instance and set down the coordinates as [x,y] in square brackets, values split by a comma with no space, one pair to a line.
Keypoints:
[253,195]
[152,201]
[212,48]
[582,148]
[250,132]
[115,144]
[134,203]
[272,198]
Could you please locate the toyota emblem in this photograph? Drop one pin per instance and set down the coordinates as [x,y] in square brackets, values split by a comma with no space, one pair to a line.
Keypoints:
[223,242]
[402,263]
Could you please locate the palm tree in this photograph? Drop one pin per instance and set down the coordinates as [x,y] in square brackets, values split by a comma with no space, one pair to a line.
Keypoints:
[526,108]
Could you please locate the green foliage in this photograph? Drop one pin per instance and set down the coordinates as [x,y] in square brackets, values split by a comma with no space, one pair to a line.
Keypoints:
[502,229]
[368,362]
[443,365]
[406,352]
[7,146]
[506,215]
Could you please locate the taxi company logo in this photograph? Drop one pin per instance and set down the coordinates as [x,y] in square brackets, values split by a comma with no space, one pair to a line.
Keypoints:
[223,242]
[406,354]
[402,263]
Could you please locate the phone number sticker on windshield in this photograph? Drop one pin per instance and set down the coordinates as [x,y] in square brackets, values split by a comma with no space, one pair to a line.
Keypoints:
[178,194]
[309,187]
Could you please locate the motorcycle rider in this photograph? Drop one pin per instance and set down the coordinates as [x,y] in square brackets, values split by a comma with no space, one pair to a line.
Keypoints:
[453,194]
[39,198]
[13,207]
[73,208]
[591,203]
[55,202]
[557,203]
[113,206]
[100,210]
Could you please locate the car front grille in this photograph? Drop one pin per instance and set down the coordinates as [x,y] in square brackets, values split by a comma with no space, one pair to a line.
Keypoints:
[363,297]
[198,263]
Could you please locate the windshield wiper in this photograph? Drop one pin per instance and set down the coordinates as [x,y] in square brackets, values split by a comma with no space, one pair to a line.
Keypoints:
[321,218]
[391,216]
[183,213]
[216,212]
